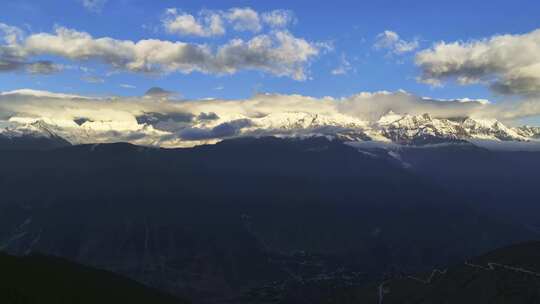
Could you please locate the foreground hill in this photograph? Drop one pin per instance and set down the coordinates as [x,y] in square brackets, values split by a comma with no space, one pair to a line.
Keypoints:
[38,279]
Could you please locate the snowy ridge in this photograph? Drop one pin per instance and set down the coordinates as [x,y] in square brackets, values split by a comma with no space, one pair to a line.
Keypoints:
[306,121]
[408,128]
[37,129]
[528,131]
[391,128]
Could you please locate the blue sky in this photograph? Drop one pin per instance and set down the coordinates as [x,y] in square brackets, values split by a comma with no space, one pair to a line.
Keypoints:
[351,27]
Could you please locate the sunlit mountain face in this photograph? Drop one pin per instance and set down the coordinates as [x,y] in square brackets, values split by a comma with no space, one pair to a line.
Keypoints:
[269,153]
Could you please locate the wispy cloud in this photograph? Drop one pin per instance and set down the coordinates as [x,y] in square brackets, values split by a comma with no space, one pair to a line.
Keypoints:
[127,86]
[344,66]
[391,41]
[94,5]
[92,79]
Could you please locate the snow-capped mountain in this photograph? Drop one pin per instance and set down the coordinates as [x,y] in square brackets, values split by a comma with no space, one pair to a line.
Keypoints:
[407,129]
[36,135]
[36,129]
[306,121]
[418,129]
[401,129]
[528,131]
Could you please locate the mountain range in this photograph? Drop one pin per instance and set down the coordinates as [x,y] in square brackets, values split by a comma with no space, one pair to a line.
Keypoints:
[389,129]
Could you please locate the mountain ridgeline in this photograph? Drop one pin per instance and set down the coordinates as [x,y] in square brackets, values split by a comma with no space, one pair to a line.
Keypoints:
[389,129]
[251,219]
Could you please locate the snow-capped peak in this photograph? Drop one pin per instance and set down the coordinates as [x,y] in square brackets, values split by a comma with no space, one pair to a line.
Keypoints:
[389,118]
[37,128]
[305,121]
[528,131]
[491,129]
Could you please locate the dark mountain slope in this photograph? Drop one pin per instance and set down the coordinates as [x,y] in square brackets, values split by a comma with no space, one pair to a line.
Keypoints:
[31,142]
[505,183]
[214,221]
[46,280]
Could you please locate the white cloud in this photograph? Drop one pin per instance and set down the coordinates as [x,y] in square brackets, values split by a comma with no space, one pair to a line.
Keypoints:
[389,40]
[244,19]
[12,57]
[207,24]
[281,54]
[127,86]
[509,64]
[278,53]
[94,5]
[28,94]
